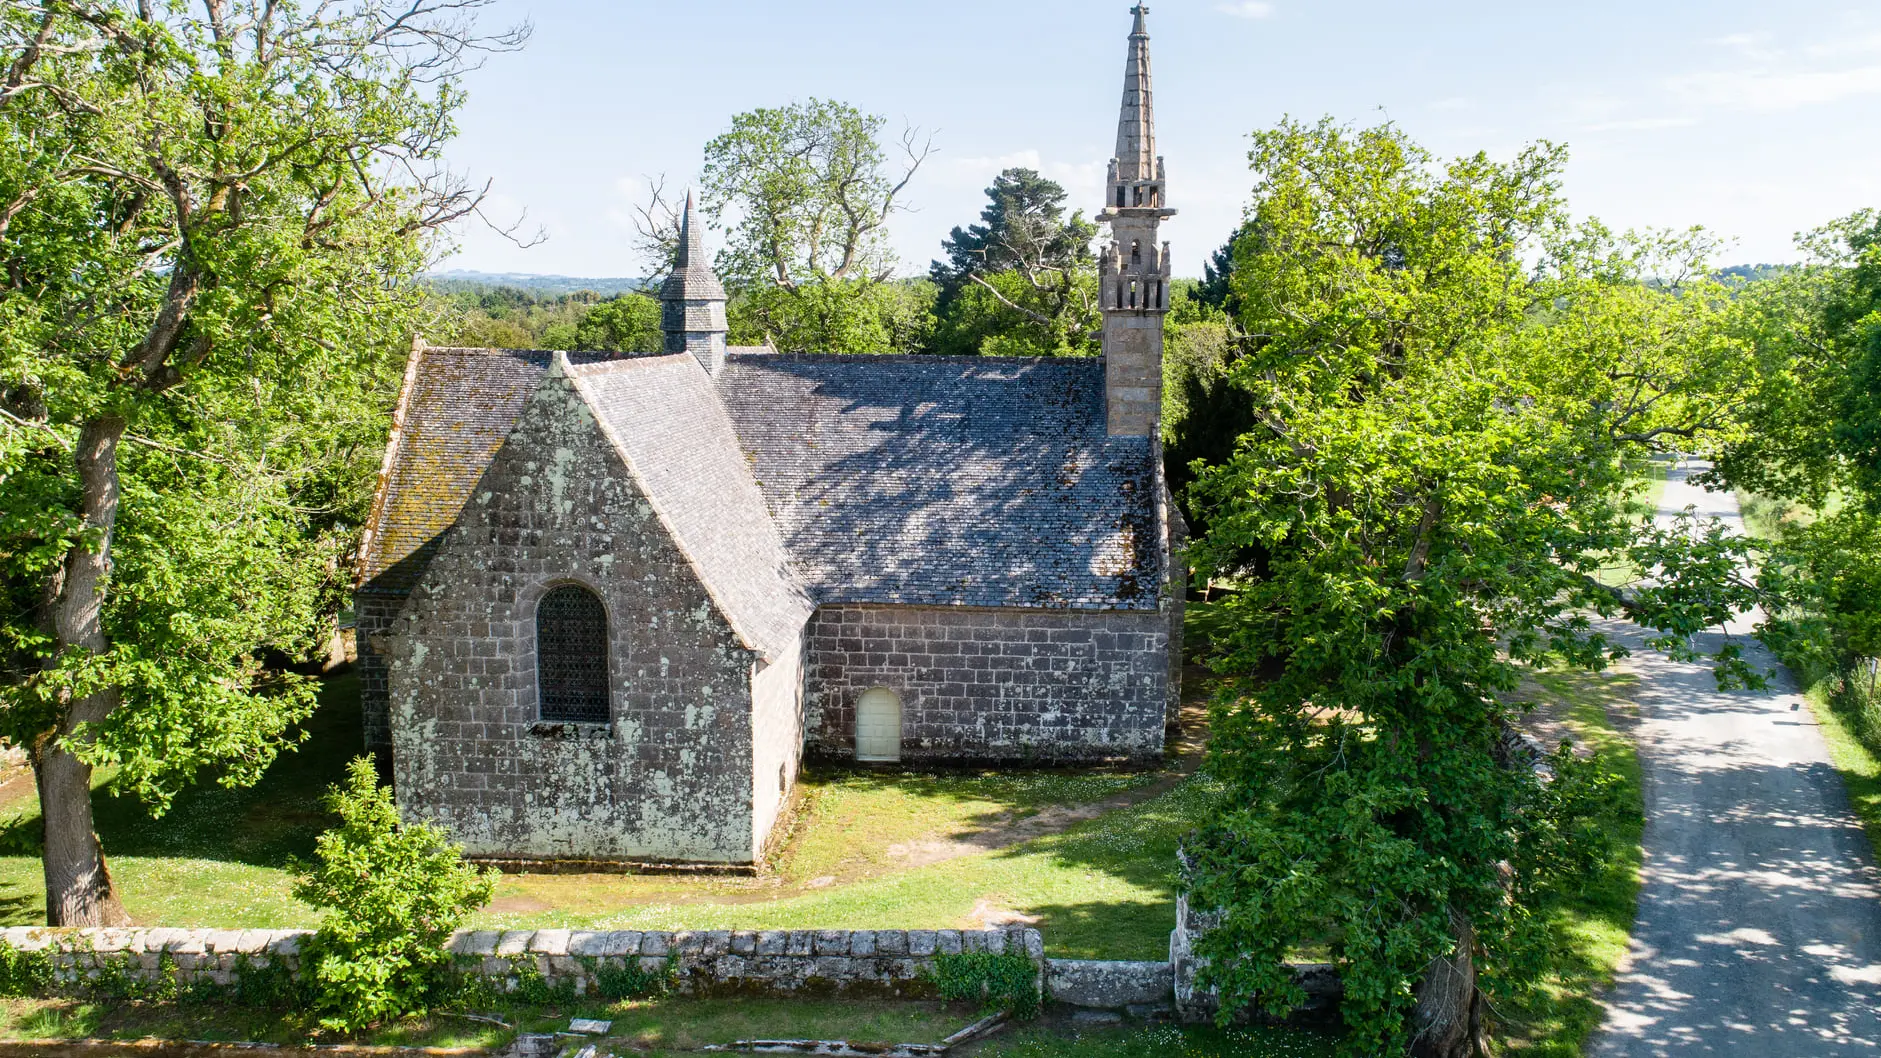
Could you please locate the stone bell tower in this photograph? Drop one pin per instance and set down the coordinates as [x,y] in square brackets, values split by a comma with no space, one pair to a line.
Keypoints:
[1133,271]
[692,301]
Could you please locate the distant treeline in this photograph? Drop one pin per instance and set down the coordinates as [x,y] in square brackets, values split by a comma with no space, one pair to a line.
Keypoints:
[478,282]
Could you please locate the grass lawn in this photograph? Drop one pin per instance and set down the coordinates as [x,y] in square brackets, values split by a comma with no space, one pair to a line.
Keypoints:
[1765,516]
[1861,771]
[671,1027]
[1090,856]
[1590,926]
[1158,1041]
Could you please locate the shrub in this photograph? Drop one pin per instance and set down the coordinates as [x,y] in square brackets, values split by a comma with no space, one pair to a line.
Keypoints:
[1855,692]
[1006,982]
[629,980]
[24,973]
[392,893]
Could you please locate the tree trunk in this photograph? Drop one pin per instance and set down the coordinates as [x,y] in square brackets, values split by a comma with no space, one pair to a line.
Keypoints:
[1447,1022]
[78,886]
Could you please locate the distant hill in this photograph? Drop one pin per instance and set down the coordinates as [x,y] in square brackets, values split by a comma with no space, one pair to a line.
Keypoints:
[458,280]
[1738,275]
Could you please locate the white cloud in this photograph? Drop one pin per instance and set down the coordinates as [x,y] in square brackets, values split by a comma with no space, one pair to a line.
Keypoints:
[1246,9]
[1859,44]
[1640,124]
[1768,90]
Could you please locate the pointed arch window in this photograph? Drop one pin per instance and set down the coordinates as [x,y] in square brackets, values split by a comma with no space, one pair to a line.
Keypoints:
[571,657]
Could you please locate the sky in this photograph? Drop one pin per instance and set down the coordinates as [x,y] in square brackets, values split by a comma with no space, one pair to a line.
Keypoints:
[1755,120]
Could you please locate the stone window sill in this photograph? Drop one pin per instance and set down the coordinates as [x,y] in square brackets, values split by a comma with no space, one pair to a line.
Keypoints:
[566,731]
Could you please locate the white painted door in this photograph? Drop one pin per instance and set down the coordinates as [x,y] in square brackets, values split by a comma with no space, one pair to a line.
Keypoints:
[878,726]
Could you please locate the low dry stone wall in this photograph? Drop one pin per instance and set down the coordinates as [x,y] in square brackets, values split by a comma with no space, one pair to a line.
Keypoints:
[1139,988]
[705,962]
[786,962]
[212,955]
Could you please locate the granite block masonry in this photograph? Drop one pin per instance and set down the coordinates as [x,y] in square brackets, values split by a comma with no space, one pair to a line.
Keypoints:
[882,963]
[888,964]
[983,684]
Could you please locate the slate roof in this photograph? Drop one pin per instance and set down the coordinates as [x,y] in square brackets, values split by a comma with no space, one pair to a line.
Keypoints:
[665,419]
[975,481]
[965,481]
[456,408]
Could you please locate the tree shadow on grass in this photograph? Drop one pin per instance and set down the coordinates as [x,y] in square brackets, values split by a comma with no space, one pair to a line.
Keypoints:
[262,825]
[1128,930]
[1136,845]
[19,907]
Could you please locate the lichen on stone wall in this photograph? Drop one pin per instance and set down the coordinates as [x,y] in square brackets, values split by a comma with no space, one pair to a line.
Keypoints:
[669,779]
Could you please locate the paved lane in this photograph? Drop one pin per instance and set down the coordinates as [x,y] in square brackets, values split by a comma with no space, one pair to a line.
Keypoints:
[1759,930]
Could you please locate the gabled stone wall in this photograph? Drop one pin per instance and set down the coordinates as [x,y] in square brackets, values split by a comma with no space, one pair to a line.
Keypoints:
[1006,685]
[670,778]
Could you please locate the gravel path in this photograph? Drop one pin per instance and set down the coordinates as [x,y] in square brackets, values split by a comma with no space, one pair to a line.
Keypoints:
[1759,929]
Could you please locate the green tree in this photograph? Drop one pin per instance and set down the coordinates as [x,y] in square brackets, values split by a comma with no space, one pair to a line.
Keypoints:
[1444,449]
[838,316]
[390,894]
[807,259]
[1813,432]
[1023,278]
[627,324]
[210,224]
[479,330]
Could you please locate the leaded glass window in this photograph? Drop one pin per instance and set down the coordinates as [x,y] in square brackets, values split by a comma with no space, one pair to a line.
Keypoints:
[571,656]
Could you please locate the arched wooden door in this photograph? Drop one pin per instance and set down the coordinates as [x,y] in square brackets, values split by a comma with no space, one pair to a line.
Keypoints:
[878,726]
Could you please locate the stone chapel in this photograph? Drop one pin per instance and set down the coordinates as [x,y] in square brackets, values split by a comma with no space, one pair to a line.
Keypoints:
[608,603]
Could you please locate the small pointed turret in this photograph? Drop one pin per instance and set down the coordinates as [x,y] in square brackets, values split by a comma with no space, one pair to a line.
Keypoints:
[1133,271]
[692,309]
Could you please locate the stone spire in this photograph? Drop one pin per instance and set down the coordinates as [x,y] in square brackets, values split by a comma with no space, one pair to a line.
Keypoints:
[692,301]
[1133,271]
[1136,126]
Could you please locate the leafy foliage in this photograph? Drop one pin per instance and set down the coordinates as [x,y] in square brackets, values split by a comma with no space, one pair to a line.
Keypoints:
[836,316]
[392,893]
[24,973]
[211,215]
[806,192]
[627,324]
[617,979]
[1445,446]
[1004,982]
[808,187]
[1024,280]
[1813,439]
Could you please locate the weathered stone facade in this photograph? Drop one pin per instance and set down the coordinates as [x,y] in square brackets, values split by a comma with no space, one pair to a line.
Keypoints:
[373,616]
[670,777]
[982,684]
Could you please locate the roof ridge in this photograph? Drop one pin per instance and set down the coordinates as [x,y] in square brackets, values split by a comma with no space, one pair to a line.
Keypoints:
[739,353]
